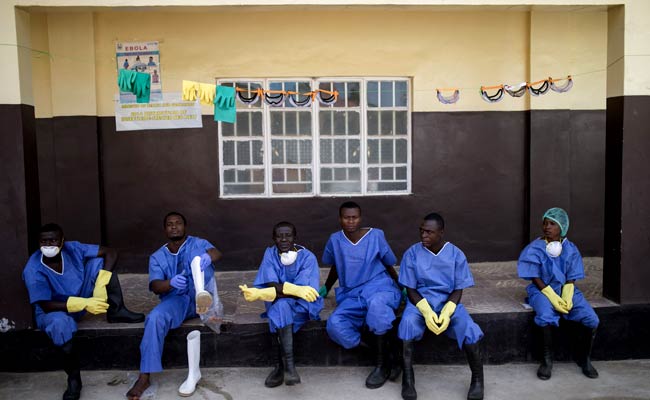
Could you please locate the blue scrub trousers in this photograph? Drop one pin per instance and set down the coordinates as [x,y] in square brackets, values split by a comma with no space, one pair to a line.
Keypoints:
[287,311]
[376,309]
[169,314]
[60,326]
[461,327]
[545,314]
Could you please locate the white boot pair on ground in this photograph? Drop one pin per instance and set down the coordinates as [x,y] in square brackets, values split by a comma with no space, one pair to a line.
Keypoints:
[203,303]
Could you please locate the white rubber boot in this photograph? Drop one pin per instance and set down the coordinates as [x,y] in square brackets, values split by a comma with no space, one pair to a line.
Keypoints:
[203,297]
[193,359]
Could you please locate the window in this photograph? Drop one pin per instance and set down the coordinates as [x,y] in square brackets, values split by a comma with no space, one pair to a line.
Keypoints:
[356,145]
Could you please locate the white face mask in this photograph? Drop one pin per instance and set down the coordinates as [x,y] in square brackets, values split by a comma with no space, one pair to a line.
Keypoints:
[554,249]
[50,251]
[289,257]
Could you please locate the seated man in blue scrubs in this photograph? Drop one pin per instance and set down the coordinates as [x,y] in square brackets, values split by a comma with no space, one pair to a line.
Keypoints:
[435,272]
[170,277]
[553,264]
[286,282]
[66,279]
[368,294]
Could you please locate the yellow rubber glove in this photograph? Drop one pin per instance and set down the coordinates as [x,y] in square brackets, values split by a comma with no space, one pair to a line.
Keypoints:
[430,317]
[206,93]
[304,292]
[567,295]
[558,303]
[103,277]
[189,90]
[92,305]
[445,315]
[253,294]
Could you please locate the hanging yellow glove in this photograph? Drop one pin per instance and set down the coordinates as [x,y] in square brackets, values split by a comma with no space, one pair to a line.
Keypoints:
[430,317]
[92,305]
[304,292]
[567,295]
[253,294]
[189,90]
[207,93]
[558,303]
[103,277]
[445,315]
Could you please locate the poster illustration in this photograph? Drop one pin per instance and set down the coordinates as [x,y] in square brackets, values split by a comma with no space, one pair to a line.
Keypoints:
[141,57]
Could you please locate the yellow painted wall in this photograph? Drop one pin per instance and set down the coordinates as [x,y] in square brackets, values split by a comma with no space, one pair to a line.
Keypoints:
[41,77]
[437,49]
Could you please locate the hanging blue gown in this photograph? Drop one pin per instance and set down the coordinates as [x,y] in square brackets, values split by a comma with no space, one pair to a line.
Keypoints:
[534,262]
[435,276]
[79,272]
[366,293]
[175,305]
[304,272]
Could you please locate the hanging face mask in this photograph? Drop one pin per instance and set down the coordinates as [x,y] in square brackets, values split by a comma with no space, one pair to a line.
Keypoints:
[289,257]
[554,249]
[50,251]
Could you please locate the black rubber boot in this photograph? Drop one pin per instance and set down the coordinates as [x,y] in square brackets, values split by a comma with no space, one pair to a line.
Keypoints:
[291,376]
[380,374]
[71,368]
[584,360]
[117,311]
[473,353]
[276,377]
[546,367]
[408,376]
[395,348]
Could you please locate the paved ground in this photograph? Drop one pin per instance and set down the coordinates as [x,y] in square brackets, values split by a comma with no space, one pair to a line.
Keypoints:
[619,380]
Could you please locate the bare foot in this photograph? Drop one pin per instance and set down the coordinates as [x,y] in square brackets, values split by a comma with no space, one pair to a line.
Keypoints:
[138,387]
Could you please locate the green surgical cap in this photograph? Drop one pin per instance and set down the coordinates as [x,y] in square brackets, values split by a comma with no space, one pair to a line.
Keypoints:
[560,217]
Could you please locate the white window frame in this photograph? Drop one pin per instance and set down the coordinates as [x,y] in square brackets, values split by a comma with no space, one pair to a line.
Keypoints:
[315,164]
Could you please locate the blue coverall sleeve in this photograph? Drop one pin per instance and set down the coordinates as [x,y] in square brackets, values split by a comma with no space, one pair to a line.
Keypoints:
[156,271]
[37,287]
[528,266]
[387,255]
[462,274]
[407,270]
[575,266]
[328,253]
[267,272]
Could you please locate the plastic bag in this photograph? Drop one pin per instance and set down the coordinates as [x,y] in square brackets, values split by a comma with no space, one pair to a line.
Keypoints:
[213,318]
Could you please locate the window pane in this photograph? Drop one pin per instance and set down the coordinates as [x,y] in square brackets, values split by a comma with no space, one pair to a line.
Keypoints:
[400,123]
[354,127]
[373,94]
[340,123]
[291,148]
[304,121]
[256,121]
[305,152]
[326,151]
[400,151]
[386,122]
[386,153]
[339,151]
[325,174]
[354,150]
[325,122]
[253,189]
[242,126]
[373,174]
[258,175]
[401,94]
[386,94]
[227,129]
[373,151]
[277,151]
[290,123]
[229,175]
[276,123]
[258,153]
[228,153]
[387,174]
[243,153]
[373,123]
[243,176]
[400,173]
[354,94]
